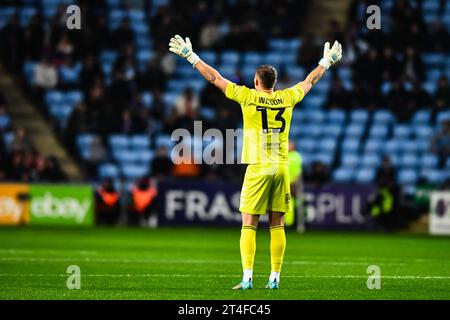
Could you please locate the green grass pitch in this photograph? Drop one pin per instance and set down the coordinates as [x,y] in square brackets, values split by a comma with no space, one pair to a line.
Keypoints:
[204,263]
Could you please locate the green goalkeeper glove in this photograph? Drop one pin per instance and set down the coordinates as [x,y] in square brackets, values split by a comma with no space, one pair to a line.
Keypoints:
[184,49]
[331,56]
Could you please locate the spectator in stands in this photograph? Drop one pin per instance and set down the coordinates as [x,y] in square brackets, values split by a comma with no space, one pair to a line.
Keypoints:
[153,77]
[11,44]
[338,96]
[107,203]
[45,74]
[441,143]
[419,97]
[123,35]
[396,98]
[318,175]
[386,173]
[17,170]
[90,73]
[53,171]
[64,48]
[130,124]
[412,67]
[308,52]
[77,123]
[390,64]
[442,94]
[439,37]
[98,35]
[187,104]
[210,35]
[96,155]
[34,38]
[21,142]
[383,205]
[158,109]
[162,165]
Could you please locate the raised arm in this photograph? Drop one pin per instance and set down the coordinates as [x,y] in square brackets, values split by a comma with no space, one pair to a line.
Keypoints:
[330,57]
[183,48]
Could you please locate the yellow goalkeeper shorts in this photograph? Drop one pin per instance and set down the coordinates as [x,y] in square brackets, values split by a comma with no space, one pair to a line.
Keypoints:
[265,188]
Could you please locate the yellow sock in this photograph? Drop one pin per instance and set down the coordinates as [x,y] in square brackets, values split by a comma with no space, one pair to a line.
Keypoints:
[248,246]
[277,247]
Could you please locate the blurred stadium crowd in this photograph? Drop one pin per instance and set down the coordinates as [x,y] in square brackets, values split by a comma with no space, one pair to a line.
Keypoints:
[114,93]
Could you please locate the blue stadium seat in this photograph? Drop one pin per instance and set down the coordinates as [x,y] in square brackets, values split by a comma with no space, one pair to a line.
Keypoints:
[315,116]
[209,113]
[140,141]
[336,116]
[359,116]
[280,45]
[74,97]
[370,160]
[351,145]
[108,170]
[374,146]
[392,146]
[423,145]
[228,71]
[311,130]
[332,130]
[118,141]
[146,156]
[209,57]
[306,145]
[165,141]
[379,131]
[402,131]
[443,115]
[327,144]
[229,57]
[143,56]
[343,174]
[147,99]
[85,140]
[248,73]
[53,97]
[409,160]
[294,44]
[126,156]
[7,139]
[253,58]
[434,176]
[407,176]
[113,3]
[273,58]
[324,157]
[408,146]
[350,160]
[429,161]
[383,116]
[136,15]
[134,171]
[296,72]
[423,132]
[354,129]
[365,175]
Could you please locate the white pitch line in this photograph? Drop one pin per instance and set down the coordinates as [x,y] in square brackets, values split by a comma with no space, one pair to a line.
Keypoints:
[191,261]
[224,276]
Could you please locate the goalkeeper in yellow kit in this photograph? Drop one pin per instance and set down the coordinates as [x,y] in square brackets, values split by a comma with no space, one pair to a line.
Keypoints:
[267,117]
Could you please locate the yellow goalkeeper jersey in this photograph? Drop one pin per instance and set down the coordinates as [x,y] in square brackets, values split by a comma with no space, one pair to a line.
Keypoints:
[267,120]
